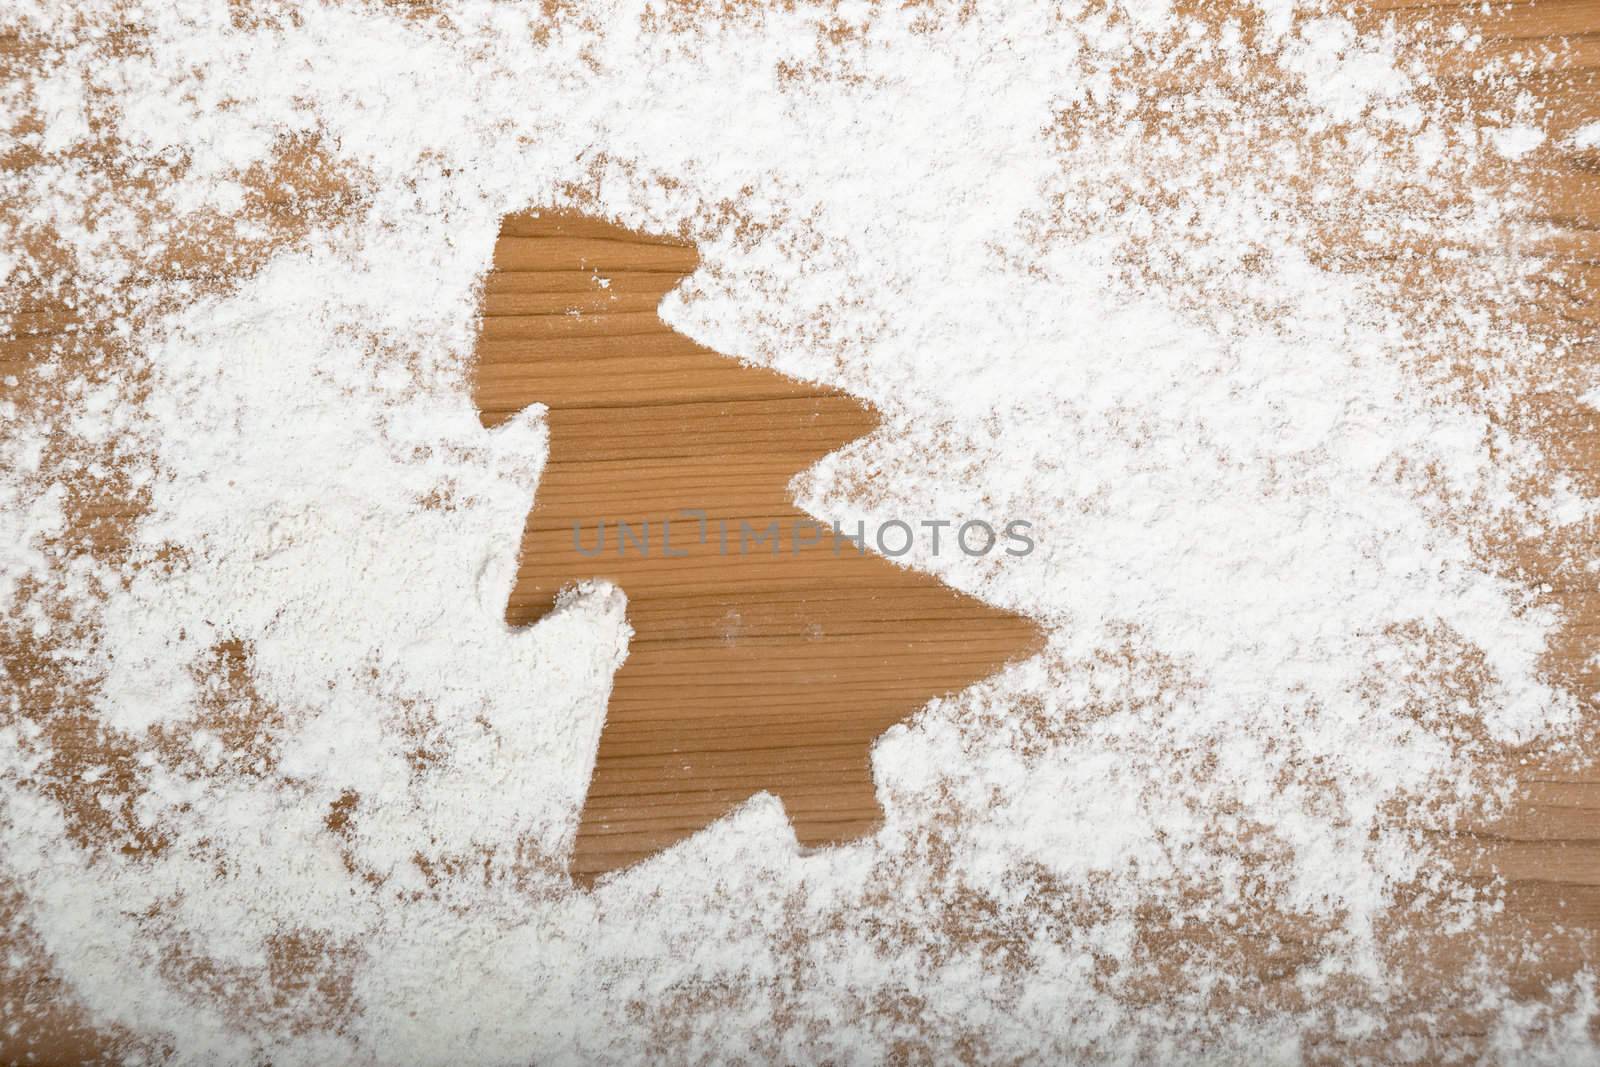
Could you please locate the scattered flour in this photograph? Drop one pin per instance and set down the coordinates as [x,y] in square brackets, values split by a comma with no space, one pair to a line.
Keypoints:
[1514,142]
[1265,507]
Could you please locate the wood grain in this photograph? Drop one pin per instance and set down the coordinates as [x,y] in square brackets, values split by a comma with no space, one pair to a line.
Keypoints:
[755,665]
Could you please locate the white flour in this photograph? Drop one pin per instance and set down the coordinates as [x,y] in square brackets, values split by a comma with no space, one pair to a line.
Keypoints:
[1143,319]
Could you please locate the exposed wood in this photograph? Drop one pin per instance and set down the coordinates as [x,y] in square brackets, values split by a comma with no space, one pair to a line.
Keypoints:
[754,665]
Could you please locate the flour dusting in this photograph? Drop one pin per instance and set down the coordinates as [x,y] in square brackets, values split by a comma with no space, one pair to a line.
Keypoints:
[1238,305]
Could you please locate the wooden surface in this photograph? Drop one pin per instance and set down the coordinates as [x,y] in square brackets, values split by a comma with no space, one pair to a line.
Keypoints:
[1545,850]
[757,662]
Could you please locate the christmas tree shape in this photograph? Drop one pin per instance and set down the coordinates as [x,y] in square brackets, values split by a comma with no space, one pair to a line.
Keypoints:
[754,665]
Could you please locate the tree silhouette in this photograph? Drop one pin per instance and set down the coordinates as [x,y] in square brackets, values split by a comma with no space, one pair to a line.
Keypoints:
[754,666]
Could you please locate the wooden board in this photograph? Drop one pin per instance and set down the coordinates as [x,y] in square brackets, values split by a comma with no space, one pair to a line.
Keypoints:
[1546,849]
